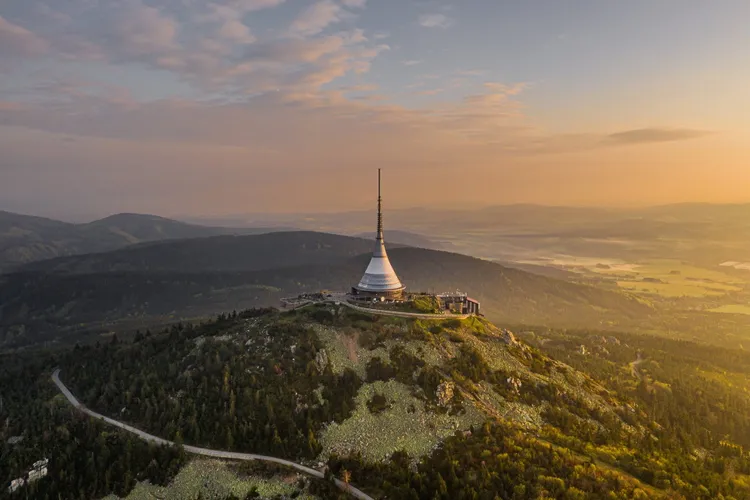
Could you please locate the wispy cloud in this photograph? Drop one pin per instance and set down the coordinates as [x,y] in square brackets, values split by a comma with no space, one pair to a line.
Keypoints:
[230,23]
[208,45]
[647,135]
[316,18]
[255,122]
[355,4]
[360,88]
[470,72]
[253,5]
[435,21]
[430,92]
[411,62]
[16,41]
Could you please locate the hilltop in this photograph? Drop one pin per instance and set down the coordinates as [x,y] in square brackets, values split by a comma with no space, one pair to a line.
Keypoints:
[137,286]
[409,409]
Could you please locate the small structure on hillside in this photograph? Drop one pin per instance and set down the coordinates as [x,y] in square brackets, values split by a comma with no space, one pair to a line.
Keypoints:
[459,303]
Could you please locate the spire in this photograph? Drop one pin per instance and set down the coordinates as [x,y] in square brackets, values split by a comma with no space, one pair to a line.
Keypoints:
[379,279]
[379,236]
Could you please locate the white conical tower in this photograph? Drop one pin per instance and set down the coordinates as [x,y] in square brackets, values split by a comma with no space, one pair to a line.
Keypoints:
[380,279]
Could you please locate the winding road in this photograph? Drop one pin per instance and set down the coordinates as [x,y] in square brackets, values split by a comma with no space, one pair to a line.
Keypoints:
[230,455]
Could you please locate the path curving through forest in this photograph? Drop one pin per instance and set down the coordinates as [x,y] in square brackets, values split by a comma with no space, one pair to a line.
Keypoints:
[230,455]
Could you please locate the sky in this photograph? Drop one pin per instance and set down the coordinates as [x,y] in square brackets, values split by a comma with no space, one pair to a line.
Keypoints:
[217,107]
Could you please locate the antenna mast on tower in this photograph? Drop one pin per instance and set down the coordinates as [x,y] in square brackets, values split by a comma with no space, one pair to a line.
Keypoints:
[380,211]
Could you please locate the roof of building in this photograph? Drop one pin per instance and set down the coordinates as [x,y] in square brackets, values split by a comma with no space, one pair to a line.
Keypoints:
[379,275]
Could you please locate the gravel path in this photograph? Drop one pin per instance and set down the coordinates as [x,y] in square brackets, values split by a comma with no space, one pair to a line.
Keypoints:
[634,367]
[201,451]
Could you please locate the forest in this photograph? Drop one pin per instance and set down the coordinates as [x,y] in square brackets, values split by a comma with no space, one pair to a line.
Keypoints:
[86,459]
[258,381]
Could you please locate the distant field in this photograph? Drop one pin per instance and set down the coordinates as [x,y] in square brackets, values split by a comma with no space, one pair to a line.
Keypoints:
[666,278]
[667,289]
[675,279]
[732,309]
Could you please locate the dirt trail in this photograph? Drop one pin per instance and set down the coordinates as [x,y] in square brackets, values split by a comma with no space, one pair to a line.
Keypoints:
[634,367]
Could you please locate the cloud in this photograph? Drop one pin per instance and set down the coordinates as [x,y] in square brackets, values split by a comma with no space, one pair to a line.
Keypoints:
[207,45]
[11,106]
[316,18]
[281,119]
[355,4]
[506,90]
[370,87]
[411,62]
[470,72]
[435,21]
[650,135]
[430,92]
[138,30]
[253,5]
[303,65]
[229,14]
[125,31]
[294,51]
[16,41]
[230,25]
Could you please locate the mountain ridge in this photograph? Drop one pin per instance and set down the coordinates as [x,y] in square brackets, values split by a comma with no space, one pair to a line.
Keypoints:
[204,276]
[26,238]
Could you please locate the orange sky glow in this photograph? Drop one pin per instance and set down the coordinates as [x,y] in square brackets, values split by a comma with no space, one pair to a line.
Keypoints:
[216,109]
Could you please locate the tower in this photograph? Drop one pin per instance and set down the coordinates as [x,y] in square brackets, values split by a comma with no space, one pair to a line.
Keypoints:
[379,280]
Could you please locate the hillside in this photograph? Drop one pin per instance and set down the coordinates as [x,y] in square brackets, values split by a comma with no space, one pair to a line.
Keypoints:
[214,254]
[25,239]
[135,287]
[402,408]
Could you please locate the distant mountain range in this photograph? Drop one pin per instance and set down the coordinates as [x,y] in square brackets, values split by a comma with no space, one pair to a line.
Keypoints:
[409,239]
[707,234]
[136,286]
[702,233]
[24,238]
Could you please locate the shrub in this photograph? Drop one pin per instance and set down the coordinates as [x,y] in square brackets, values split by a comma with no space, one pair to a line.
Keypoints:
[377,369]
[452,324]
[378,404]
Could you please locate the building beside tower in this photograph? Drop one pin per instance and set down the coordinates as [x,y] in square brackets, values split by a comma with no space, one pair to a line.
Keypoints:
[379,281]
